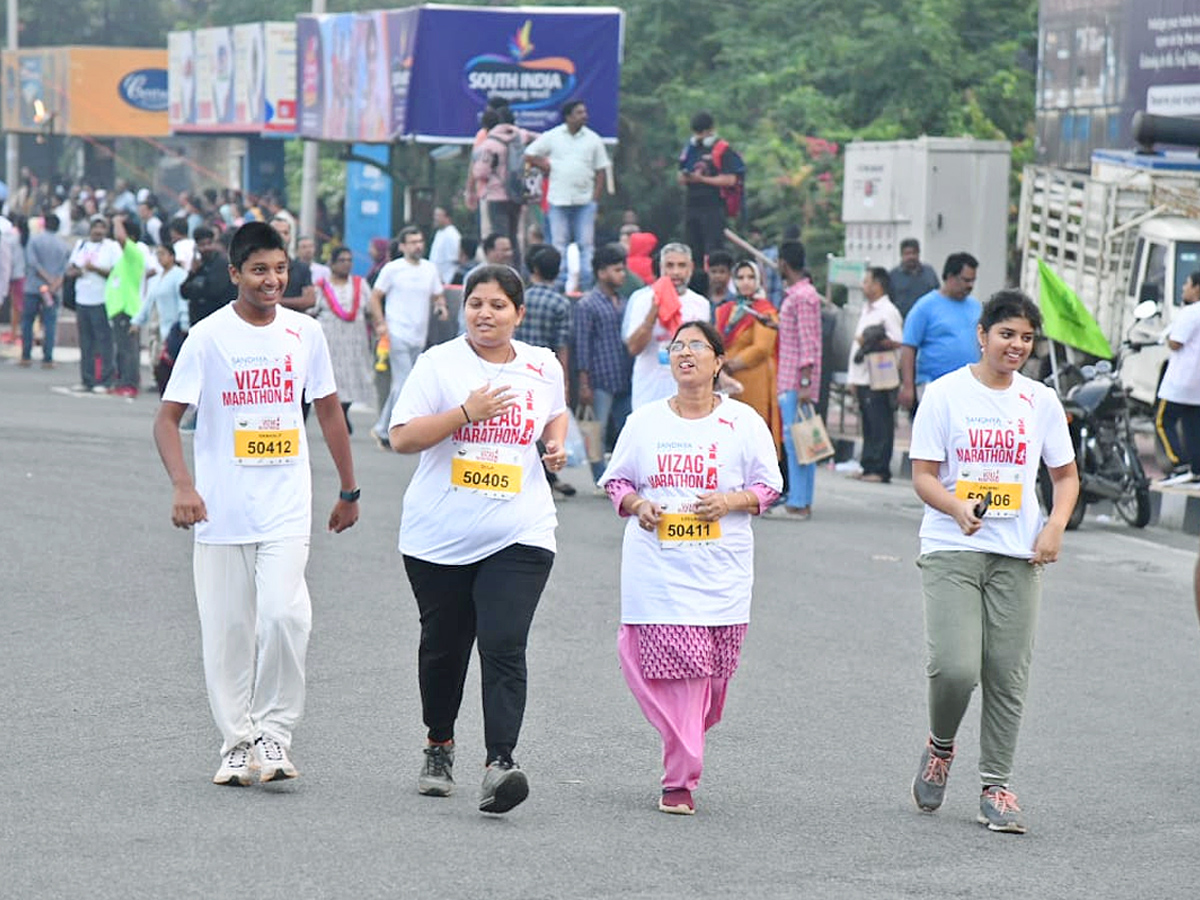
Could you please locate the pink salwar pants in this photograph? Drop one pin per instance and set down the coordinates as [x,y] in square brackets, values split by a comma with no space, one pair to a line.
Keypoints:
[681,709]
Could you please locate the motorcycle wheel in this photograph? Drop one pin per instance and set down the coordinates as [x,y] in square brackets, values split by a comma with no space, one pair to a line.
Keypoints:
[1134,506]
[1045,488]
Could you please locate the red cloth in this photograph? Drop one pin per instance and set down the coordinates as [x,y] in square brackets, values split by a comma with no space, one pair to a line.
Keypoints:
[670,310]
[641,246]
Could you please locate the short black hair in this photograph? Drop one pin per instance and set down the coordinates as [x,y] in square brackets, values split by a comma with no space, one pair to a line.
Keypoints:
[338,251]
[1010,303]
[880,276]
[489,119]
[956,262]
[720,258]
[910,242]
[544,261]
[702,121]
[569,107]
[178,226]
[505,276]
[251,238]
[203,233]
[50,221]
[505,116]
[133,230]
[408,231]
[469,246]
[1194,277]
[792,253]
[489,242]
[607,255]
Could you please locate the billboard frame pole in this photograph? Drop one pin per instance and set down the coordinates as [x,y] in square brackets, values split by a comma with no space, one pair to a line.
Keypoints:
[12,141]
[310,170]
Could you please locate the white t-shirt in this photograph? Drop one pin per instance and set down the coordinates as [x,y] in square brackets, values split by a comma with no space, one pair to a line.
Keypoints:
[409,289]
[89,287]
[246,381]
[483,488]
[1181,382]
[989,441]
[185,253]
[443,252]
[574,161]
[881,312]
[651,368]
[671,461]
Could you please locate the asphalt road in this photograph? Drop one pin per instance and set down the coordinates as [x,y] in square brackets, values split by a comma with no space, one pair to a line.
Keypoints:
[110,746]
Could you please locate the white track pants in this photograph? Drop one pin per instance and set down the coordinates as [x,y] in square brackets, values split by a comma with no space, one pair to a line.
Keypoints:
[254,602]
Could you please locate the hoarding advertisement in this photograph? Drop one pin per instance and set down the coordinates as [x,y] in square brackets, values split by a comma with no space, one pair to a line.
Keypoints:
[402,37]
[535,60]
[35,90]
[279,116]
[181,79]
[310,91]
[1164,58]
[118,92]
[345,79]
[249,76]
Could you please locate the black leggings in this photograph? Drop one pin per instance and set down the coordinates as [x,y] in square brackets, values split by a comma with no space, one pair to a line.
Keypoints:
[492,600]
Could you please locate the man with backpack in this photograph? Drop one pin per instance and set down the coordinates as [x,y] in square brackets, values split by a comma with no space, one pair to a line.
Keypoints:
[574,158]
[712,175]
[498,177]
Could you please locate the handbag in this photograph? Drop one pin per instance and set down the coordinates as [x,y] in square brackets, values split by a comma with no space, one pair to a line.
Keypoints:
[593,433]
[68,285]
[882,372]
[810,437]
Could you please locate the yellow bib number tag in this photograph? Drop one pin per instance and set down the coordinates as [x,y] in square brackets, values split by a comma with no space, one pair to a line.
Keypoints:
[686,529]
[494,472]
[265,441]
[1004,484]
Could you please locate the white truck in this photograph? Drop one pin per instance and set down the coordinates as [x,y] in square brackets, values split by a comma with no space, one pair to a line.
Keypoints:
[1127,232]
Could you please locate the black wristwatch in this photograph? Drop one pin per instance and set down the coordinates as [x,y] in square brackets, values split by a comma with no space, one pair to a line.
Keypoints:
[350,496]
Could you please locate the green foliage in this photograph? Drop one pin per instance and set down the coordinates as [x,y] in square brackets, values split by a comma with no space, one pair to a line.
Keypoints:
[111,23]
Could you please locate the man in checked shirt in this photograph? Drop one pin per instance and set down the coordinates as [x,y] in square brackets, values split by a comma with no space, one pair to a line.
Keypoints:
[798,376]
[547,323]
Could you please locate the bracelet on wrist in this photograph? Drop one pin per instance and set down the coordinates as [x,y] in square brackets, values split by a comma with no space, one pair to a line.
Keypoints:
[350,496]
[466,415]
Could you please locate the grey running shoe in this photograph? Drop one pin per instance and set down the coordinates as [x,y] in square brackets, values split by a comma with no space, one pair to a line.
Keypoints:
[238,767]
[929,787]
[437,775]
[504,786]
[998,810]
[272,758]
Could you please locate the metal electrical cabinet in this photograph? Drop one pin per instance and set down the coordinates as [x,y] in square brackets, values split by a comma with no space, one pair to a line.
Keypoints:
[951,194]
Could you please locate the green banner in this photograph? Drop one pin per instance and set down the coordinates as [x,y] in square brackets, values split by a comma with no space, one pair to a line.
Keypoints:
[1065,318]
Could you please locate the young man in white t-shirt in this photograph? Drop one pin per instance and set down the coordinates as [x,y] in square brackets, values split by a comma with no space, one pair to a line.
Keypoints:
[246,367]
[1179,394]
[412,287]
[646,336]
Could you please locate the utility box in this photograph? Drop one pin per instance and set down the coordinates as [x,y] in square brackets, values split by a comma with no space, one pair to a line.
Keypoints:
[951,194]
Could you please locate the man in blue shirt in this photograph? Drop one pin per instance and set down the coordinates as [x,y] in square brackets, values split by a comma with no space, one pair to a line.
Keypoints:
[940,330]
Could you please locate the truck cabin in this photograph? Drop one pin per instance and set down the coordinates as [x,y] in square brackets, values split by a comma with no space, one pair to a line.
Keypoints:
[1168,250]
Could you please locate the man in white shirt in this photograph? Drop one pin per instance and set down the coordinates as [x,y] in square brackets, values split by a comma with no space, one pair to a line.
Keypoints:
[90,264]
[645,332]
[411,287]
[246,367]
[1179,394]
[876,339]
[573,156]
[447,243]
[306,252]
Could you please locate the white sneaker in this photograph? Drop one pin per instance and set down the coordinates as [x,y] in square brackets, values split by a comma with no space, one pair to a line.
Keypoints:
[272,758]
[238,767]
[1177,478]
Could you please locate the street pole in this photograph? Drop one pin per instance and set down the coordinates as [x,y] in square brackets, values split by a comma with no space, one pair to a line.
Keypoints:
[311,168]
[12,147]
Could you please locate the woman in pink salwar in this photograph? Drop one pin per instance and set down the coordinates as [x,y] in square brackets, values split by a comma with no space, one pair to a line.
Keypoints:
[688,473]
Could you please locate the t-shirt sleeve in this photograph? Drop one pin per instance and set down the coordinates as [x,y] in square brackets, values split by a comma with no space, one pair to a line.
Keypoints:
[187,375]
[558,397]
[893,325]
[420,396]
[635,313]
[320,382]
[931,427]
[622,465]
[540,146]
[1057,450]
[914,325]
[1184,327]
[383,281]
[599,156]
[762,463]
[435,282]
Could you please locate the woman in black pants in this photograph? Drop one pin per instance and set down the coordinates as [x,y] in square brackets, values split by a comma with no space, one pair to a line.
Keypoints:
[477,531]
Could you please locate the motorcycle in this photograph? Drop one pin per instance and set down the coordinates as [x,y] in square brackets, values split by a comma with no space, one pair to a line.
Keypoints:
[1098,417]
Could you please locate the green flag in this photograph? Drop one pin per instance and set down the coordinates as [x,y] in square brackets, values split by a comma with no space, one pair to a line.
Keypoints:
[1065,318]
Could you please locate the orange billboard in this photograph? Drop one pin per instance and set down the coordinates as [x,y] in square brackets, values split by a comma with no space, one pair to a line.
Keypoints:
[99,91]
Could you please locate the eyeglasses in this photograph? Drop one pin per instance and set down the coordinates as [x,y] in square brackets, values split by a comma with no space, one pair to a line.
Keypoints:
[696,346]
